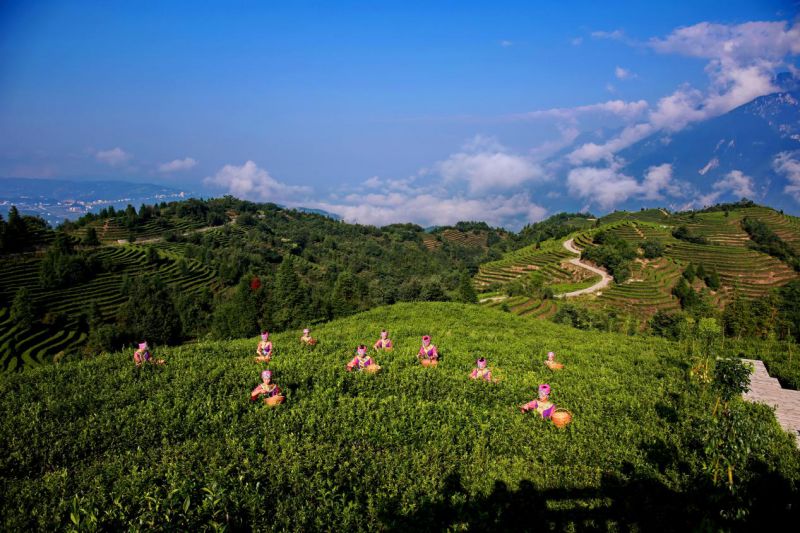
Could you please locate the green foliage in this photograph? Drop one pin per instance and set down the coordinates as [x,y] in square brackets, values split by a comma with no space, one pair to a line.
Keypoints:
[767,241]
[23,311]
[652,248]
[150,313]
[91,239]
[100,444]
[612,252]
[466,292]
[238,315]
[689,273]
[731,378]
[683,233]
[789,307]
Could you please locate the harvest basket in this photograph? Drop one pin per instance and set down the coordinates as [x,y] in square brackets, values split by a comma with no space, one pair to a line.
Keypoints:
[561,417]
[312,342]
[263,358]
[554,365]
[428,362]
[275,400]
[372,369]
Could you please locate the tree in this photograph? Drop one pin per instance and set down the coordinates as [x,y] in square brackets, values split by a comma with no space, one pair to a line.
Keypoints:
[346,294]
[90,239]
[23,310]
[16,232]
[712,280]
[689,273]
[237,316]
[652,248]
[466,292]
[150,313]
[289,296]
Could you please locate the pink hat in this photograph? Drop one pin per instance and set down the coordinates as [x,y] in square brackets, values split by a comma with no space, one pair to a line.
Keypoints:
[143,345]
[482,362]
[384,333]
[266,374]
[362,349]
[550,355]
[265,335]
[426,338]
[544,389]
[306,330]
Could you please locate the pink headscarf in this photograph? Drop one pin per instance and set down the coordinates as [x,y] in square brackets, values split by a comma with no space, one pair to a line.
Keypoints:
[265,335]
[362,350]
[384,334]
[544,390]
[306,331]
[426,339]
[266,374]
[481,363]
[550,356]
[143,345]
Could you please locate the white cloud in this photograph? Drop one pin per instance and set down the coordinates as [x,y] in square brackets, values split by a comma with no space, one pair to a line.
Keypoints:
[616,35]
[623,73]
[787,164]
[577,41]
[714,163]
[250,182]
[114,157]
[736,183]
[604,186]
[608,186]
[486,165]
[621,108]
[610,88]
[436,209]
[743,60]
[506,44]
[177,165]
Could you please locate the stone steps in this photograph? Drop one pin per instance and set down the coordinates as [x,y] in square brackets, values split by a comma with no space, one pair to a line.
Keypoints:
[786,402]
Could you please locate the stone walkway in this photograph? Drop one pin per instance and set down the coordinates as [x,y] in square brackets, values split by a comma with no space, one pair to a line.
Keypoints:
[768,390]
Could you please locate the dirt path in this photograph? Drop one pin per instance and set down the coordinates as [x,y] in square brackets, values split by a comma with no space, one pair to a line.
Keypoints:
[786,402]
[602,284]
[492,299]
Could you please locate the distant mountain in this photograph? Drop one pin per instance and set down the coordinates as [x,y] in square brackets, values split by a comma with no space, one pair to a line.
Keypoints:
[322,212]
[54,200]
[746,139]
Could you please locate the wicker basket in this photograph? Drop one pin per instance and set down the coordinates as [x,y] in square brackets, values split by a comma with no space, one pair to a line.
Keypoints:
[554,365]
[373,368]
[561,417]
[428,362]
[275,400]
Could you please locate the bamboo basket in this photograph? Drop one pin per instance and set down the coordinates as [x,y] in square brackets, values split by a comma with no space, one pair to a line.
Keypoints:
[554,365]
[428,362]
[561,417]
[372,369]
[275,400]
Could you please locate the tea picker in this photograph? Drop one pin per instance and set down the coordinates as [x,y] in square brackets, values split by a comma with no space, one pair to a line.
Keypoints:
[307,339]
[362,361]
[268,390]
[384,343]
[142,356]
[428,353]
[551,362]
[482,372]
[264,349]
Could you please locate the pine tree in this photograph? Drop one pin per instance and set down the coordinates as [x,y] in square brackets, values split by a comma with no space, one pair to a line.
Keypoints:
[150,313]
[23,311]
[289,296]
[90,239]
[466,292]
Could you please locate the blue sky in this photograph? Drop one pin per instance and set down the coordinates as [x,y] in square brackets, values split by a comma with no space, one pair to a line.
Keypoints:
[380,111]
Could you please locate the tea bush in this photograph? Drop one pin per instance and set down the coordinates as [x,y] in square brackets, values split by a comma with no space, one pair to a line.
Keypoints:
[99,444]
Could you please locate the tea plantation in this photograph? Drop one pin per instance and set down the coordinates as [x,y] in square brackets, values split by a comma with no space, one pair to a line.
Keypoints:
[99,444]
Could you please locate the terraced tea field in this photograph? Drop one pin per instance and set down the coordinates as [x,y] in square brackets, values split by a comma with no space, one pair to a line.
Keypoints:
[33,346]
[113,229]
[547,260]
[524,306]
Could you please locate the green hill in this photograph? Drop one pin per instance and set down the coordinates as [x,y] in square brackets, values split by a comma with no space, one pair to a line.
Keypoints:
[100,444]
[744,268]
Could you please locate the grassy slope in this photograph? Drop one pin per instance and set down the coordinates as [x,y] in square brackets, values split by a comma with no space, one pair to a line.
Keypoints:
[181,446]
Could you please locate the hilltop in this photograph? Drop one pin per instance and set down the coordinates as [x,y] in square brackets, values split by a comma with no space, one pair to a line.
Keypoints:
[662,262]
[97,443]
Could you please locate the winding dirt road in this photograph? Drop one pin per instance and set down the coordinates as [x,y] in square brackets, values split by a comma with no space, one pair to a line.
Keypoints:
[603,283]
